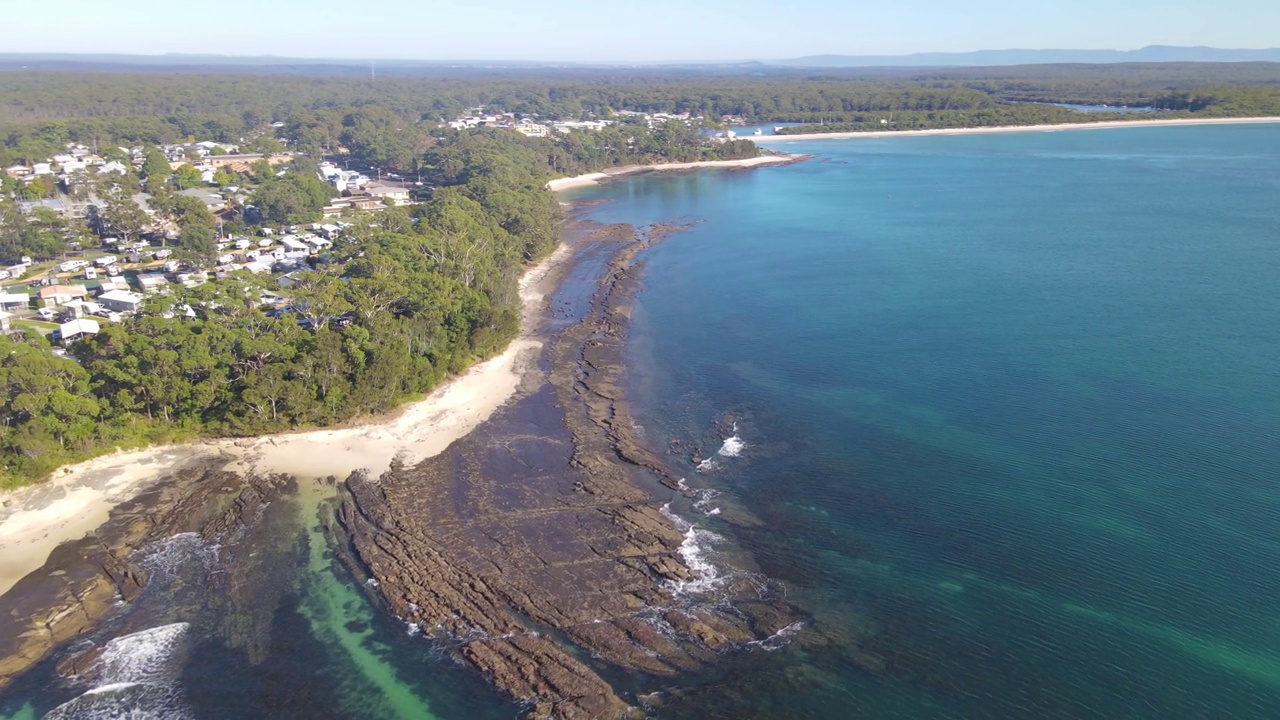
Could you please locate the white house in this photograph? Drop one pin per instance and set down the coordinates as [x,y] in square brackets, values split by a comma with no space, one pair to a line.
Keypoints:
[77,329]
[14,301]
[121,301]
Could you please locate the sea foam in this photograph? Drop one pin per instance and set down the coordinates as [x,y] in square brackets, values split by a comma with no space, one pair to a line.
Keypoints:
[695,550]
[136,678]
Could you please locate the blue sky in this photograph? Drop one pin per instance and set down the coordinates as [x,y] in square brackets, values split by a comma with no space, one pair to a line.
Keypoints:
[626,30]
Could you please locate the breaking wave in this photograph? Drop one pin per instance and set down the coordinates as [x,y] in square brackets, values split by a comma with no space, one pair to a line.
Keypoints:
[174,556]
[779,639]
[696,550]
[136,678]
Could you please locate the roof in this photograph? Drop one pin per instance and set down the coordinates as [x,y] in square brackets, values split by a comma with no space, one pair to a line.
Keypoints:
[121,296]
[79,327]
[11,298]
[56,290]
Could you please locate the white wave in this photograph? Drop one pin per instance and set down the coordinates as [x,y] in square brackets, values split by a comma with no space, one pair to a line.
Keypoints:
[137,679]
[706,466]
[779,639]
[695,550]
[166,559]
[704,499]
[732,447]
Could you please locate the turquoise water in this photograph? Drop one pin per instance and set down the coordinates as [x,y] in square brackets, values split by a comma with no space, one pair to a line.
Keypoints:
[1011,416]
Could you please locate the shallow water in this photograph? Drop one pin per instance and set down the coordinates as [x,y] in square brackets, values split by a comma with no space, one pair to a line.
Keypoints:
[272,628]
[1009,415]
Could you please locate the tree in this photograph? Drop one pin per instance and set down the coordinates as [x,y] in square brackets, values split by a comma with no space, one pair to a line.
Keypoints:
[123,217]
[187,177]
[222,177]
[155,166]
[197,245]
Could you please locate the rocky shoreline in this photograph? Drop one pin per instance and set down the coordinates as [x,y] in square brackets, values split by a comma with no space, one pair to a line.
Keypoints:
[84,582]
[537,549]
[541,541]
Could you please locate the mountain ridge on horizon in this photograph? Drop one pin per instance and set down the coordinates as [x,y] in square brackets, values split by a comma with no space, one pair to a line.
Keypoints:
[975,58]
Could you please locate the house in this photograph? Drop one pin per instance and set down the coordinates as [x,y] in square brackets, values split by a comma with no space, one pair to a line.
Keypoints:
[107,284]
[531,129]
[152,282]
[56,295]
[12,302]
[247,160]
[121,301]
[17,171]
[212,201]
[294,244]
[76,309]
[115,166]
[6,322]
[76,329]
[16,271]
[330,231]
[42,169]
[396,195]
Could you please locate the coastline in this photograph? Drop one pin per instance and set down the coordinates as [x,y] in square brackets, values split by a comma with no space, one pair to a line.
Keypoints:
[79,498]
[589,179]
[1107,125]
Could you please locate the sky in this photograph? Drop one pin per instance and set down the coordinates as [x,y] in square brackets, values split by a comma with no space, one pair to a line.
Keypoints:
[626,30]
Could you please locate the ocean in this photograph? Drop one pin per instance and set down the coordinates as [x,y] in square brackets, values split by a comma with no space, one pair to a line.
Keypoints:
[1006,411]
[998,413]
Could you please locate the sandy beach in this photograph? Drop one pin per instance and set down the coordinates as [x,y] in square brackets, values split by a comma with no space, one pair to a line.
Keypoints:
[78,499]
[1110,125]
[594,178]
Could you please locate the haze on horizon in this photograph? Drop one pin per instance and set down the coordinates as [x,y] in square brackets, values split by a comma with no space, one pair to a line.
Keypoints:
[628,31]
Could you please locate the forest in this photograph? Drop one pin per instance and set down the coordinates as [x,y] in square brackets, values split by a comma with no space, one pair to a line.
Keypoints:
[40,109]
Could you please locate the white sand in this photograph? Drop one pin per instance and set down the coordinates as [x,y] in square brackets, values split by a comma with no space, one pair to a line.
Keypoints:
[594,178]
[1109,125]
[35,520]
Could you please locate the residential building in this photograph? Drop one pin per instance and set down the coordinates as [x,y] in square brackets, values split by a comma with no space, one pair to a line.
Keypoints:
[152,282]
[212,201]
[56,295]
[396,195]
[76,329]
[121,301]
[13,302]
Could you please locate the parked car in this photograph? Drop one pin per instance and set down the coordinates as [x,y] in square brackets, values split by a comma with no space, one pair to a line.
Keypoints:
[90,274]
[162,254]
[47,314]
[113,270]
[4,274]
[105,260]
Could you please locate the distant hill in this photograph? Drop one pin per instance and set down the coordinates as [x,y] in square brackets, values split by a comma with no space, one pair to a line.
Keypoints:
[844,65]
[1152,53]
